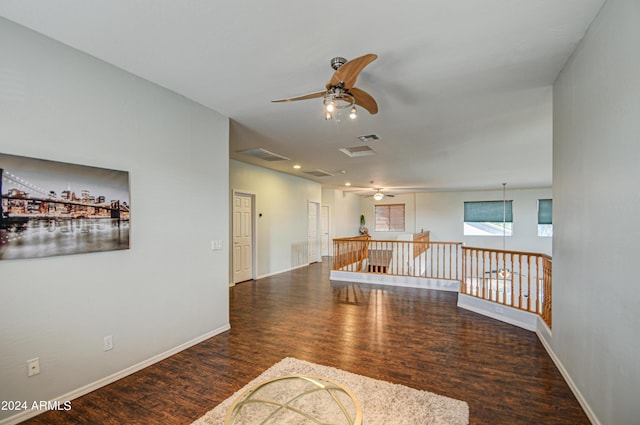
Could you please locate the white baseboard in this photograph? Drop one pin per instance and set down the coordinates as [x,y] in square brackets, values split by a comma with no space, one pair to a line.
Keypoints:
[262,276]
[523,319]
[531,322]
[544,335]
[24,415]
[281,271]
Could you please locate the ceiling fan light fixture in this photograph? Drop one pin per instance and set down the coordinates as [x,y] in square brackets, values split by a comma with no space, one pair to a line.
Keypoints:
[331,106]
[328,116]
[340,92]
[378,196]
[353,114]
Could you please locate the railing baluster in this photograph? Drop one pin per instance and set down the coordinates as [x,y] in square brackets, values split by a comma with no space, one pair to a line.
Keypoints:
[529,283]
[520,300]
[484,273]
[538,303]
[509,276]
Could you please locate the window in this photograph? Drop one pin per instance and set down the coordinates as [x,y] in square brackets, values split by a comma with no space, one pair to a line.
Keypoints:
[545,224]
[389,218]
[488,218]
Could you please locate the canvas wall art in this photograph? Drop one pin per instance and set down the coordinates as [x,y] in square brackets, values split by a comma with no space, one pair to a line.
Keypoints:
[53,208]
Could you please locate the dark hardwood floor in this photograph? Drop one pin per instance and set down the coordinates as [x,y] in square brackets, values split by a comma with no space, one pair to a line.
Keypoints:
[414,337]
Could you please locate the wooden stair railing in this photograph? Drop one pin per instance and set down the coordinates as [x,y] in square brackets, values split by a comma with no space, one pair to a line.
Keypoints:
[522,280]
[516,279]
[349,254]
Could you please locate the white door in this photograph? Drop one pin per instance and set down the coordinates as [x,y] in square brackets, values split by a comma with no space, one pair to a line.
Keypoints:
[324,230]
[312,239]
[242,237]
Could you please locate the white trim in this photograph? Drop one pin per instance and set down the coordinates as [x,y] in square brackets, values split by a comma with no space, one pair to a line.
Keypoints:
[523,319]
[254,233]
[262,276]
[329,244]
[504,313]
[278,272]
[544,334]
[79,392]
[317,243]
[393,280]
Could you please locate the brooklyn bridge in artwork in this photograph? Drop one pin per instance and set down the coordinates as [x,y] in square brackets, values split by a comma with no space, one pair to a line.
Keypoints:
[53,208]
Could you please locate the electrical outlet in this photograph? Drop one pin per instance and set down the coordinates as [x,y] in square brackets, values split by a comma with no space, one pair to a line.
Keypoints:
[33,366]
[108,343]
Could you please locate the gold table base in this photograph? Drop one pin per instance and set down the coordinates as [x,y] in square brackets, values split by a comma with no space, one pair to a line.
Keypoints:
[296,399]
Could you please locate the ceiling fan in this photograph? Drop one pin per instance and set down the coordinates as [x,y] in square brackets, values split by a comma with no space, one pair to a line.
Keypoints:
[378,195]
[340,92]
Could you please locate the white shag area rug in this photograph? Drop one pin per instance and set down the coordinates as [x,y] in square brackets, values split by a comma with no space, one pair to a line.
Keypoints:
[383,403]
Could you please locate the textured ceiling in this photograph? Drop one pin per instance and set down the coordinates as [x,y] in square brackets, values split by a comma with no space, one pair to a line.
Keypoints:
[463,87]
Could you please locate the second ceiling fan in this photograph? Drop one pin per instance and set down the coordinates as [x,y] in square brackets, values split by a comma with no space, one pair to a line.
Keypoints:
[340,92]
[378,195]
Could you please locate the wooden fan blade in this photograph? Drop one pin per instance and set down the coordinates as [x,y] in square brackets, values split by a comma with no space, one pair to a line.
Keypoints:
[348,73]
[303,97]
[364,99]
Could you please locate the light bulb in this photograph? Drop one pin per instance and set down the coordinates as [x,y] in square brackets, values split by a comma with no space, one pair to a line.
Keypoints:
[328,116]
[353,114]
[330,107]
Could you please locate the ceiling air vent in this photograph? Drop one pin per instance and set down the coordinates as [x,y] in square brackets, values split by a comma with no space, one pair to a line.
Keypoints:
[357,151]
[318,173]
[264,154]
[366,138]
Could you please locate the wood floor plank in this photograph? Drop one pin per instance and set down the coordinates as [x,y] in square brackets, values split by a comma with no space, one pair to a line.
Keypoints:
[409,336]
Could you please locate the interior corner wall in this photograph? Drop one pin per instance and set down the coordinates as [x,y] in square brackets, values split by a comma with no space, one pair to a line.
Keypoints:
[595,182]
[344,214]
[169,288]
[282,230]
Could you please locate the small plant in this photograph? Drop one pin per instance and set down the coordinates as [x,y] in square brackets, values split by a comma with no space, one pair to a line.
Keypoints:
[363,228]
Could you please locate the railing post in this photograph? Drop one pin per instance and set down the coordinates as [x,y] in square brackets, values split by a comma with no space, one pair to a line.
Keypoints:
[488,274]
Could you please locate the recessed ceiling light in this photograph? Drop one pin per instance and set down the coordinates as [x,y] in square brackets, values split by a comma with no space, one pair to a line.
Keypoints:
[347,184]
[297,166]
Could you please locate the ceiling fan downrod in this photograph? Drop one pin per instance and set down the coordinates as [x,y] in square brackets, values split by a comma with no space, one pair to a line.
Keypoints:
[337,62]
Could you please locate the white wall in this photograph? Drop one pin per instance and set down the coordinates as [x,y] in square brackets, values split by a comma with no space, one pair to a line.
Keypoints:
[442,213]
[367,207]
[344,210]
[169,288]
[282,200]
[596,296]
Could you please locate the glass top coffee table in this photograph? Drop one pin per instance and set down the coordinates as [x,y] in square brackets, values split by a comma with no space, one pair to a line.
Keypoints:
[296,399]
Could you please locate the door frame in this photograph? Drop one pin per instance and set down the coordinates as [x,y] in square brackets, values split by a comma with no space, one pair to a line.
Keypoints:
[329,247]
[254,239]
[316,204]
